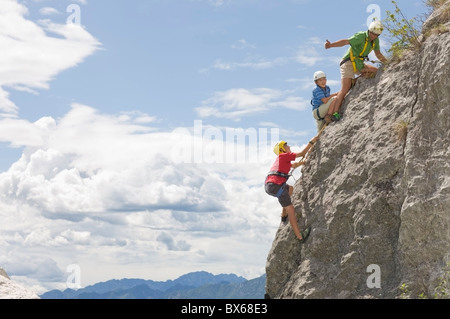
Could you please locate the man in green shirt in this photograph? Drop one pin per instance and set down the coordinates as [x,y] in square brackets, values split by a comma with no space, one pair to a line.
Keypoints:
[361,44]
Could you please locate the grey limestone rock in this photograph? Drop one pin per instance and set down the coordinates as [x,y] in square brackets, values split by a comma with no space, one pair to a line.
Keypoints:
[375,199]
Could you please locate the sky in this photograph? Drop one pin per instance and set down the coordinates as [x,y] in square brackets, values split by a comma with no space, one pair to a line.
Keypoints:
[135,136]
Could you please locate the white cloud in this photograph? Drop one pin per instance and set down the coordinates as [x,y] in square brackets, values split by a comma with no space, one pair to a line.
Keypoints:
[242,44]
[236,103]
[217,3]
[31,57]
[68,165]
[171,244]
[256,64]
[108,193]
[20,133]
[48,11]
[6,105]
[309,54]
[105,192]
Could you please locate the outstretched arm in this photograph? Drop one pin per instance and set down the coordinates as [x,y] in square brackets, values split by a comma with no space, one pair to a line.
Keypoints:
[298,164]
[308,147]
[380,56]
[336,44]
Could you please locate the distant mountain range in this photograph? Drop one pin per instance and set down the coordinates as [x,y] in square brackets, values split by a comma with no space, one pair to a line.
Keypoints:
[196,285]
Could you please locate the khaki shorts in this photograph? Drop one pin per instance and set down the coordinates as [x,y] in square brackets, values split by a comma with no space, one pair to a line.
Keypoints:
[323,110]
[347,71]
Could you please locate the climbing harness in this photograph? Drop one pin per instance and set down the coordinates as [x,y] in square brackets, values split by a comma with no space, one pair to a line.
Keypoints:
[280,192]
[282,186]
[276,173]
[318,115]
[360,57]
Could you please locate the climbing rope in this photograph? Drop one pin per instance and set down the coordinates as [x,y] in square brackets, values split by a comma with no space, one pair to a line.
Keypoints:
[304,158]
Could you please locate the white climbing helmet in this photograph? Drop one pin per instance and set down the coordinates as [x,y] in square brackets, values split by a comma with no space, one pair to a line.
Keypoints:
[319,74]
[376,27]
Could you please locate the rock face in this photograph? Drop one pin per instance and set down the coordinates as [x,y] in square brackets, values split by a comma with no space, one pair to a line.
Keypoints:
[378,202]
[11,290]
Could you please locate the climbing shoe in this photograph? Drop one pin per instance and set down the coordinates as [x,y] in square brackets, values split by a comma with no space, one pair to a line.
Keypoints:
[305,235]
[284,218]
[336,117]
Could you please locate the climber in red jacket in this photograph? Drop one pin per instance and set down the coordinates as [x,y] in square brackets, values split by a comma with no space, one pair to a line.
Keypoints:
[276,182]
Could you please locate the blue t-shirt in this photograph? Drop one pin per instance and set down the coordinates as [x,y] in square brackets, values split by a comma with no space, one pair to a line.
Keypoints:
[318,94]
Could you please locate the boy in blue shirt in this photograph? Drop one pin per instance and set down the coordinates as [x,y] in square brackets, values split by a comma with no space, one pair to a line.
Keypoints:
[325,109]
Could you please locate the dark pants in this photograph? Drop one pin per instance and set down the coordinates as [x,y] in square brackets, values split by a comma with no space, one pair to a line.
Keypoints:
[281,192]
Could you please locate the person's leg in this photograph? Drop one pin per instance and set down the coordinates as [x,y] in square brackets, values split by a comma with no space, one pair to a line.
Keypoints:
[284,212]
[290,211]
[320,123]
[369,71]
[332,108]
[293,221]
[347,76]
[346,86]
[323,112]
[334,112]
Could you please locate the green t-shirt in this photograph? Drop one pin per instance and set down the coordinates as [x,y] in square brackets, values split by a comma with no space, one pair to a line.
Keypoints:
[357,42]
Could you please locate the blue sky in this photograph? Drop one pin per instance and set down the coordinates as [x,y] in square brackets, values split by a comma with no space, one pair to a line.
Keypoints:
[113,129]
